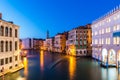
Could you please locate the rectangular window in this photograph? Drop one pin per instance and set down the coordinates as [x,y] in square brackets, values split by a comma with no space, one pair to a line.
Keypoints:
[16,58]
[6,60]
[16,45]
[2,61]
[114,40]
[10,59]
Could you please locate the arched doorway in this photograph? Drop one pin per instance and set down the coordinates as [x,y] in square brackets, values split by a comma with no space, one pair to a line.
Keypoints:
[112,57]
[104,55]
[118,56]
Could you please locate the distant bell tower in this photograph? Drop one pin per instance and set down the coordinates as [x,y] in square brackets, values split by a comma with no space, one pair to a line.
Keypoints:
[47,34]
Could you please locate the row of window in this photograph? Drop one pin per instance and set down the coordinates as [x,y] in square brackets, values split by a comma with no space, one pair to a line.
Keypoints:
[116,40]
[107,30]
[7,32]
[81,32]
[80,41]
[7,60]
[107,20]
[7,46]
[81,52]
[82,36]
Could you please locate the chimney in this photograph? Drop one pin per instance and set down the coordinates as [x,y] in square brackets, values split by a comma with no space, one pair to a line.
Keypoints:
[0,15]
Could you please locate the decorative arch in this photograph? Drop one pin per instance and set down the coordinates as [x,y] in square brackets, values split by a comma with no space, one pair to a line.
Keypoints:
[118,55]
[104,55]
[112,56]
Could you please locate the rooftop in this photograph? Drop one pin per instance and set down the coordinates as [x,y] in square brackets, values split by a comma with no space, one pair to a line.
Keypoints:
[115,10]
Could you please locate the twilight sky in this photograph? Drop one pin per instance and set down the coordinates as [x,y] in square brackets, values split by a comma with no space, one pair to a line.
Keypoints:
[35,17]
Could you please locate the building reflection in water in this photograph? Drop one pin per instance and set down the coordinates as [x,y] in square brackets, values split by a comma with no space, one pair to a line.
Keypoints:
[42,60]
[25,62]
[118,70]
[72,67]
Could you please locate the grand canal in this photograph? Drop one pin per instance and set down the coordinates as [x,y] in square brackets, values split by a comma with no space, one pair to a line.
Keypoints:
[47,66]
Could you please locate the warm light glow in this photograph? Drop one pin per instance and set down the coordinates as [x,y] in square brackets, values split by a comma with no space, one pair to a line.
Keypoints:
[42,59]
[25,62]
[22,46]
[72,50]
[25,51]
[21,78]
[112,57]
[118,56]
[72,67]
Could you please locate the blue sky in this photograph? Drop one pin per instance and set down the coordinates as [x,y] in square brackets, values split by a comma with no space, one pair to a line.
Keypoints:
[35,17]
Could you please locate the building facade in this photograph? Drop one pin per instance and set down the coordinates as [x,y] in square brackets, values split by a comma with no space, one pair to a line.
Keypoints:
[79,41]
[9,46]
[50,44]
[32,43]
[60,42]
[26,43]
[106,38]
[37,43]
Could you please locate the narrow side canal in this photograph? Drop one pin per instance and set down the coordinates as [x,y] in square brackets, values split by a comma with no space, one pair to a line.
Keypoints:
[47,66]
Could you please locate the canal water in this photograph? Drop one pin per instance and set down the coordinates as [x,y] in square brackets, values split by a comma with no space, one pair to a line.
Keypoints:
[47,66]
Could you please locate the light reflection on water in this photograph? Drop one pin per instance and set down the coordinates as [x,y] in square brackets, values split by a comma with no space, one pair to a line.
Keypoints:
[35,68]
[42,60]
[25,62]
[72,67]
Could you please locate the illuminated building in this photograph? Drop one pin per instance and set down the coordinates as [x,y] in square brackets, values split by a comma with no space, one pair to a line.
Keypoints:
[79,41]
[49,44]
[9,46]
[60,42]
[106,38]
[45,45]
[32,43]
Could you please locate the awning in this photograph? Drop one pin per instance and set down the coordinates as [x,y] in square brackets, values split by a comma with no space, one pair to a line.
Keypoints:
[116,34]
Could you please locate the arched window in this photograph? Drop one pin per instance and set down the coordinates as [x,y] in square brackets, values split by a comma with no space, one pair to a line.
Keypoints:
[16,47]
[104,55]
[6,31]
[10,45]
[1,31]
[112,57]
[16,32]
[6,46]
[84,52]
[2,46]
[80,52]
[10,32]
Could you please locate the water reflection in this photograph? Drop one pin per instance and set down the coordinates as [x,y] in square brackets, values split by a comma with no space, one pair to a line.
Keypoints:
[42,60]
[69,68]
[109,74]
[72,67]
[25,62]
[118,74]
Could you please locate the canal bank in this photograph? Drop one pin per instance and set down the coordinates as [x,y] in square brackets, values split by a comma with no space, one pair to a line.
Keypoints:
[12,70]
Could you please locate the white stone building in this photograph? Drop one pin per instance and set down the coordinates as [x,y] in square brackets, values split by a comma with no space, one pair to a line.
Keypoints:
[9,46]
[106,38]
